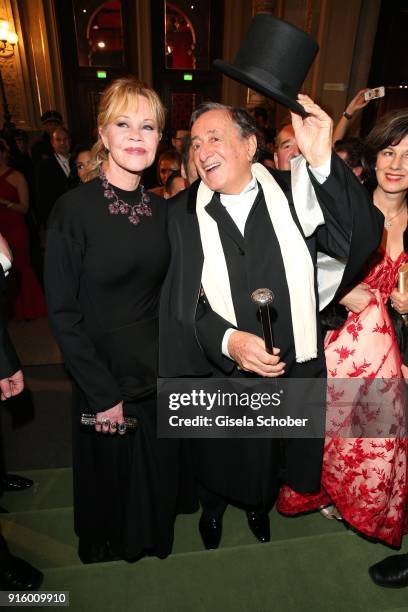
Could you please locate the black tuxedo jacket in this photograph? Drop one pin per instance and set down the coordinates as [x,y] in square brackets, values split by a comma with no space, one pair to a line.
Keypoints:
[51,183]
[9,362]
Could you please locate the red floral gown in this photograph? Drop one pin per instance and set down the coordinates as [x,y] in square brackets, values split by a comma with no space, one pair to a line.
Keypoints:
[24,291]
[365,477]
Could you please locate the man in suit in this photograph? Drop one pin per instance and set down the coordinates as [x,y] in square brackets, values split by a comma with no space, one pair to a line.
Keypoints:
[42,148]
[55,175]
[240,229]
[286,147]
[15,573]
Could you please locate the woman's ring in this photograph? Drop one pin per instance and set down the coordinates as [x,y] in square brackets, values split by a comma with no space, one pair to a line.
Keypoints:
[122,428]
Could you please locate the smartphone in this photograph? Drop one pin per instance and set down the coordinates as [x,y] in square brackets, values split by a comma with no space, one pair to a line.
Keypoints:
[377,92]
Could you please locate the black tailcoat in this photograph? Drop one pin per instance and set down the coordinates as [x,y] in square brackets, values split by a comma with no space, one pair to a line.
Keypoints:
[191,333]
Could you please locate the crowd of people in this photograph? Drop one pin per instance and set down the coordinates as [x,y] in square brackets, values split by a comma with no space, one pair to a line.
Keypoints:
[138,288]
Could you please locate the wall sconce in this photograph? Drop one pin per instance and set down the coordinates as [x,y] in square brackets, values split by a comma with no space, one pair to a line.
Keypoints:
[8,40]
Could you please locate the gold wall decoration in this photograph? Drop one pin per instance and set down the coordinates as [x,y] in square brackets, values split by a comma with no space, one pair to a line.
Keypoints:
[308,16]
[11,73]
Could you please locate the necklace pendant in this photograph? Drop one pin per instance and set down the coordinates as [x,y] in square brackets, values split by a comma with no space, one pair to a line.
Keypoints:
[387,224]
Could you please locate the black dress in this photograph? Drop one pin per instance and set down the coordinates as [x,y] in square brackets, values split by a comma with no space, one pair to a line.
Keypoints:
[103,277]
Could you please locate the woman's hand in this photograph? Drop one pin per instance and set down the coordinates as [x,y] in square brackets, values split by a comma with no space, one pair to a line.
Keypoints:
[399,301]
[404,370]
[357,299]
[12,385]
[109,420]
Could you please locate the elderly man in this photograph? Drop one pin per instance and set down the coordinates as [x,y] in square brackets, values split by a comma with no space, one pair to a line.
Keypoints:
[238,230]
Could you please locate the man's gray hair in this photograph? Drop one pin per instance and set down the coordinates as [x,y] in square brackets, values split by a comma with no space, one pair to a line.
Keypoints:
[239,116]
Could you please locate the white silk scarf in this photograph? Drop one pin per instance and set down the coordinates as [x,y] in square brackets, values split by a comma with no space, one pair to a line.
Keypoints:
[295,254]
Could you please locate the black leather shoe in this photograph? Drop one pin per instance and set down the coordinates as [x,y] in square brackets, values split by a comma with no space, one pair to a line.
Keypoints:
[259,525]
[391,572]
[18,575]
[211,531]
[96,552]
[12,482]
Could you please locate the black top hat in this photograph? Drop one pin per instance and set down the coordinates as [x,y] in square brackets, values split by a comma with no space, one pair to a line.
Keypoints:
[273,59]
[51,115]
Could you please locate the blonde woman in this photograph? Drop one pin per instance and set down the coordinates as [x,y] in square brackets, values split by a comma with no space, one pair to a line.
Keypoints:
[107,254]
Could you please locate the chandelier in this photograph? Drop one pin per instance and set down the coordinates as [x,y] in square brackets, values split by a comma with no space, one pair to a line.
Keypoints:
[8,40]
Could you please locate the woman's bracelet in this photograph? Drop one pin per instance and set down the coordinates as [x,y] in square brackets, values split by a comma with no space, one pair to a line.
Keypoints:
[347,115]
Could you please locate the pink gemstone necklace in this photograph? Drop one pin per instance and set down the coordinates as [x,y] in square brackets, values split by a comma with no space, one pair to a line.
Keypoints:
[118,206]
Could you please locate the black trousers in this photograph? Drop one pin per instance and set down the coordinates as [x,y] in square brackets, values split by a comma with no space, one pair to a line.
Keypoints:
[214,505]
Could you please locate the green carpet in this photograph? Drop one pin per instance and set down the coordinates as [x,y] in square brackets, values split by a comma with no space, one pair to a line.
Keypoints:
[311,564]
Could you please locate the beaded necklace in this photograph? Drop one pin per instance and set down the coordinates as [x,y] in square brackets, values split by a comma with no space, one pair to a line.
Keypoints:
[118,206]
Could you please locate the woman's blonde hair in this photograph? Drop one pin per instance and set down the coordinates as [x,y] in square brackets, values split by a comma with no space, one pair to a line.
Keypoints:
[120,95]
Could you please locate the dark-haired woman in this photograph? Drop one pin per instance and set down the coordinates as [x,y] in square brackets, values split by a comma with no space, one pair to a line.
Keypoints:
[83,159]
[366,477]
[351,152]
[107,254]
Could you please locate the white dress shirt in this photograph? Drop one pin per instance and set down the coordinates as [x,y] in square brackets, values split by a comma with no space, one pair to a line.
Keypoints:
[64,163]
[5,263]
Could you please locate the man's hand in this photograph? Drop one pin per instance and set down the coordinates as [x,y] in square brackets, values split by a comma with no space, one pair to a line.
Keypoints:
[248,351]
[358,298]
[399,301]
[5,249]
[313,133]
[404,370]
[11,386]
[108,420]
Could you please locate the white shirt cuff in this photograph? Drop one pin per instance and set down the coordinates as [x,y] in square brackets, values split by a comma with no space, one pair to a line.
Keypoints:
[5,263]
[321,172]
[224,346]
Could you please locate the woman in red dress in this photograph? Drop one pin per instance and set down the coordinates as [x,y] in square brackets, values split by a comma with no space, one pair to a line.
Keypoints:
[27,299]
[366,477]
